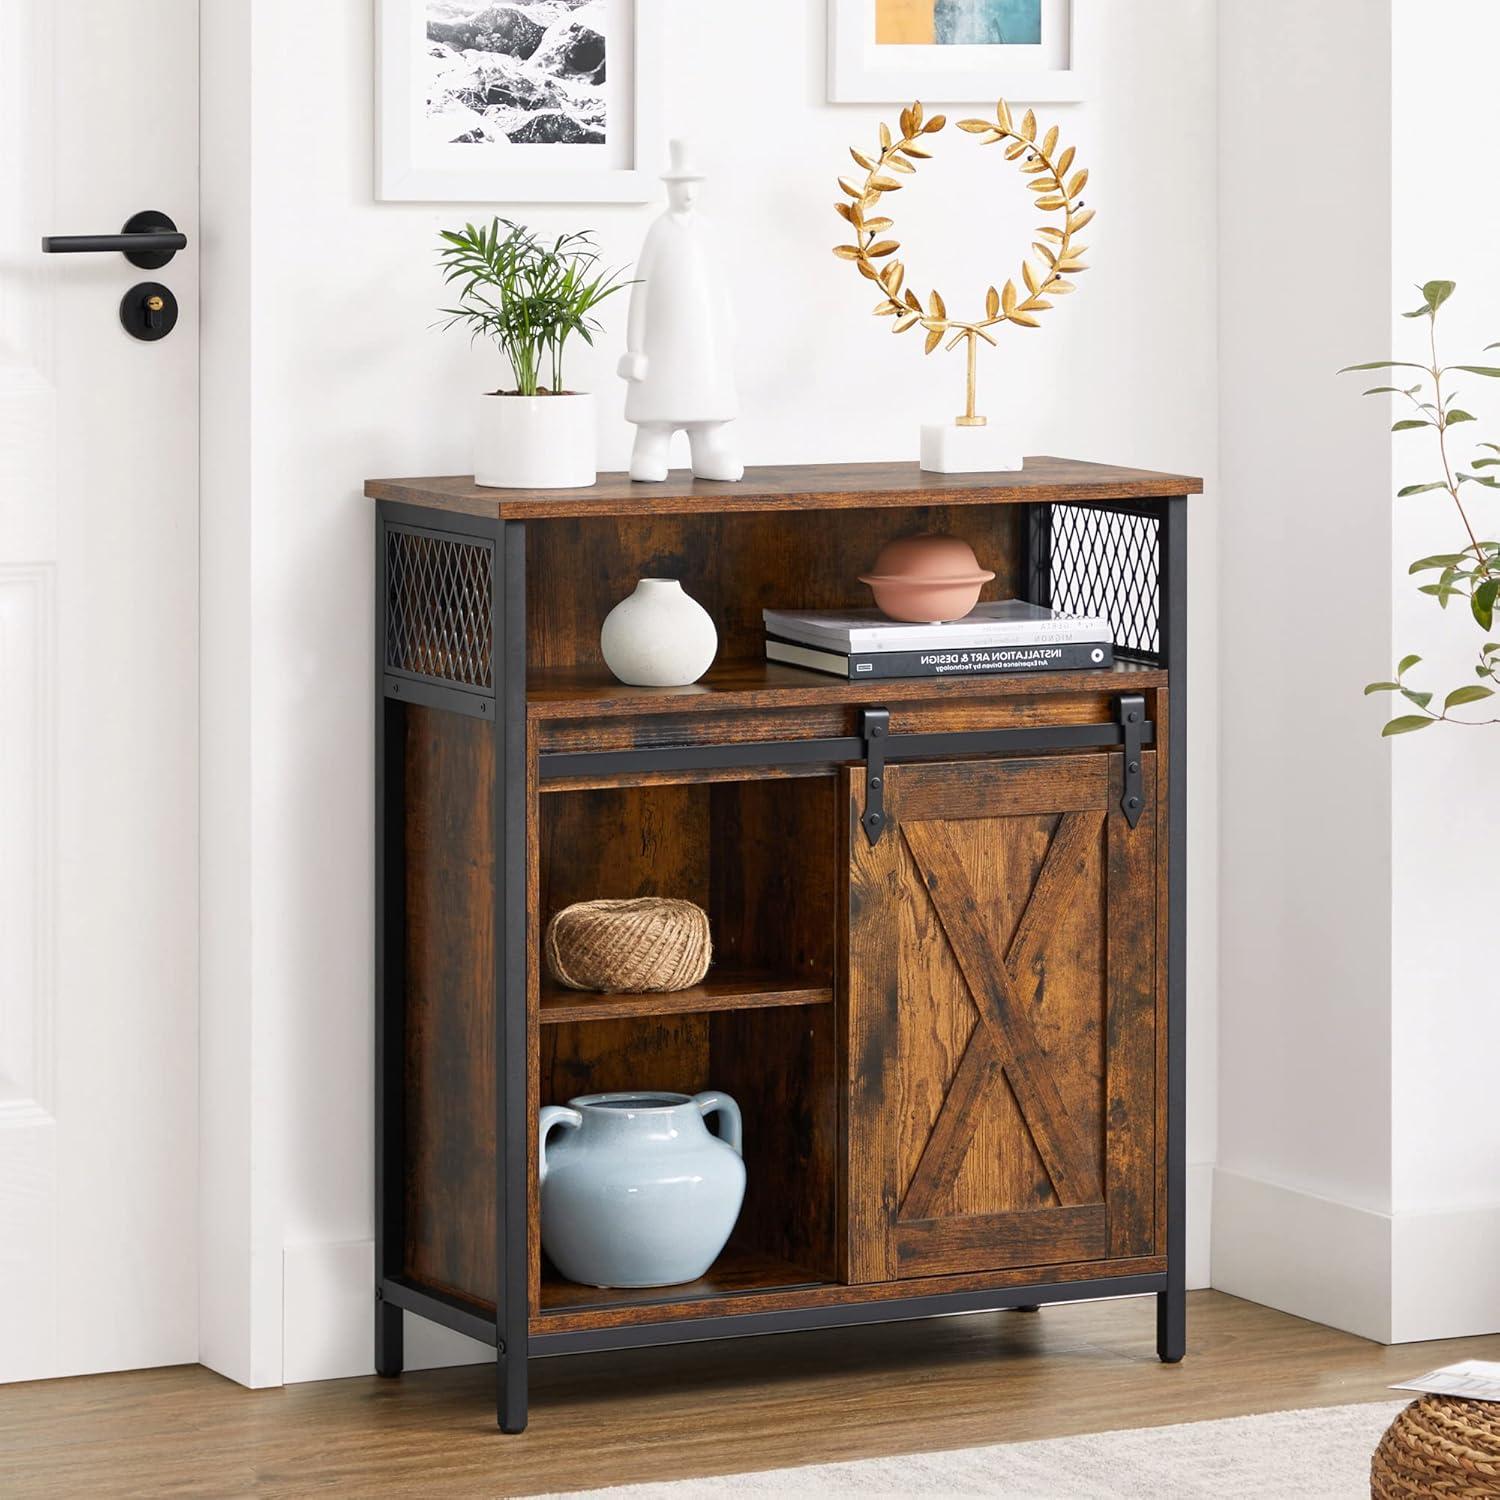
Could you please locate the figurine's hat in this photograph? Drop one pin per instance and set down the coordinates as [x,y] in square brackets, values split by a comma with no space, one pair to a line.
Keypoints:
[680,168]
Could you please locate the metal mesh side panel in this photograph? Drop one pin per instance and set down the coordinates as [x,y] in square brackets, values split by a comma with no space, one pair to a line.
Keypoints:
[438,617]
[1107,562]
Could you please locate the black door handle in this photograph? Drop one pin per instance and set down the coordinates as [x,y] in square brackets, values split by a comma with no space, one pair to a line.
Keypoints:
[149,239]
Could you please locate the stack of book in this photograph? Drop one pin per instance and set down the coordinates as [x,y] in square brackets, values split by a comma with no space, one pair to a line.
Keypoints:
[1008,636]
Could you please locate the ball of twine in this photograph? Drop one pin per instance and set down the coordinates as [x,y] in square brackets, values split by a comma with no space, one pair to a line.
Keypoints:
[1440,1445]
[628,947]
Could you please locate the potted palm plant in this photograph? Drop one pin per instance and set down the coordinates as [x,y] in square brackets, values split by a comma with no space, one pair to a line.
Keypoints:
[530,298]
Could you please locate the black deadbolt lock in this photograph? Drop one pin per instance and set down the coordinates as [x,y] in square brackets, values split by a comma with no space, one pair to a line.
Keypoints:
[148,311]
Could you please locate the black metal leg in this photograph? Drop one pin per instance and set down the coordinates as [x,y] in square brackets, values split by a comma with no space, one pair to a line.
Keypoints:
[1028,1307]
[1171,1305]
[1171,1322]
[389,1339]
[511,1164]
[510,1393]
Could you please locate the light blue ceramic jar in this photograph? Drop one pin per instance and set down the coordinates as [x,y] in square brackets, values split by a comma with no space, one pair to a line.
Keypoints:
[636,1191]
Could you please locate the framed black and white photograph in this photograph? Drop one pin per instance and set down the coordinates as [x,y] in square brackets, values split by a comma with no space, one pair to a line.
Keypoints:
[517,101]
[1032,51]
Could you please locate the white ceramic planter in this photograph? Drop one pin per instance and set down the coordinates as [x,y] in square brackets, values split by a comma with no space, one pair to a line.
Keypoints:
[636,1192]
[658,637]
[535,442]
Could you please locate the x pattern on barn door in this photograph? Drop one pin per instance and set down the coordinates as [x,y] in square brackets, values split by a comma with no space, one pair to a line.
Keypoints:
[1004,1041]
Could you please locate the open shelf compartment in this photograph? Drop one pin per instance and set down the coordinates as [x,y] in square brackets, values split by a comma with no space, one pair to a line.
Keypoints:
[760,856]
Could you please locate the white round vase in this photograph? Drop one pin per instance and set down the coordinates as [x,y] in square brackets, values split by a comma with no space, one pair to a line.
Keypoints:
[658,637]
[535,442]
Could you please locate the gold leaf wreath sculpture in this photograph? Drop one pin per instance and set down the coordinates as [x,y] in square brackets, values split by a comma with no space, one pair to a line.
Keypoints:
[1056,190]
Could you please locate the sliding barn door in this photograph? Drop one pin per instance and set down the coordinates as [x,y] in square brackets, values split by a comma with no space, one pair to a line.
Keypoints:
[1001,984]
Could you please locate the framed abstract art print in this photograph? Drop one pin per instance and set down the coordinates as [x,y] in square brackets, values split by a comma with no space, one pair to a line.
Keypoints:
[1033,51]
[526,101]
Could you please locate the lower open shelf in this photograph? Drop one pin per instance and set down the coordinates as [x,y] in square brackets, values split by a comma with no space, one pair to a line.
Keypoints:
[739,1271]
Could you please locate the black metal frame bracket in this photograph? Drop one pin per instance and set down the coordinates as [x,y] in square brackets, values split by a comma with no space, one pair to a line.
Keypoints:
[875,728]
[837,750]
[1132,710]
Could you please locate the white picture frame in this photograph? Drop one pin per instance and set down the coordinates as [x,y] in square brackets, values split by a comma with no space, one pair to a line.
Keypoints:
[411,169]
[862,71]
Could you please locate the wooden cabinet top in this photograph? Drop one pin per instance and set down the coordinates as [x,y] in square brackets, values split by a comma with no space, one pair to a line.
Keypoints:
[792,487]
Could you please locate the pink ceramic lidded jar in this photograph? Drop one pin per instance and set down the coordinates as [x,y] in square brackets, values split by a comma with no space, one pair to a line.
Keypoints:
[927,579]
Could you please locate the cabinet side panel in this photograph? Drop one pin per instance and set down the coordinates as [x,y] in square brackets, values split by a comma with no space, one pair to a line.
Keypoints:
[449,1036]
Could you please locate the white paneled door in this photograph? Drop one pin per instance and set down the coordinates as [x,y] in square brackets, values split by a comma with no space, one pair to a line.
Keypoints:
[98,695]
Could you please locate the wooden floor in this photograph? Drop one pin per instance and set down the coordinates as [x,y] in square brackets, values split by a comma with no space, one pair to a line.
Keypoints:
[691,1411]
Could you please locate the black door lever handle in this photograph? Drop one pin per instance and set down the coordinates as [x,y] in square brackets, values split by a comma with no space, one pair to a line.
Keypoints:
[149,239]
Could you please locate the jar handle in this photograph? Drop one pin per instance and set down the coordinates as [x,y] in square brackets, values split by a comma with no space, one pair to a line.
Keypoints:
[552,1114]
[731,1130]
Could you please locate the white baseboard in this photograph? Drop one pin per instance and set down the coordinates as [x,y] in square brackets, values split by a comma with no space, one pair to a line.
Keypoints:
[1199,1235]
[328,1324]
[1393,1278]
[1445,1274]
[1311,1256]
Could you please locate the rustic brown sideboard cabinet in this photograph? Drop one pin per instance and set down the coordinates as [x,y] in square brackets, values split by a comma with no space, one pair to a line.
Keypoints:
[947,914]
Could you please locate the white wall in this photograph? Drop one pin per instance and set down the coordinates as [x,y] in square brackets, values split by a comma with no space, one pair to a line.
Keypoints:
[348,380]
[1359,1160]
[1304,982]
[1446,818]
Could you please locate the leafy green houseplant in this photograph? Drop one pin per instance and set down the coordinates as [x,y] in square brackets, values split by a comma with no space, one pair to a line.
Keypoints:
[529,297]
[1472,573]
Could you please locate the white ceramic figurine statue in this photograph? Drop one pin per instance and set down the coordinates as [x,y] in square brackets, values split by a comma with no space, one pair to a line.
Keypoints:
[678,341]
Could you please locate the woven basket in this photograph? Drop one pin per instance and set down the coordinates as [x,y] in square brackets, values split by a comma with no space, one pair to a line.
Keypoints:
[1440,1445]
[629,947]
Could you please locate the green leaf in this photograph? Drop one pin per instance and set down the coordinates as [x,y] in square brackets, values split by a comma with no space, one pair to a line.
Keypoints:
[1406,664]
[1482,603]
[1420,489]
[1381,687]
[1487,480]
[1391,390]
[1405,724]
[1455,415]
[1437,560]
[1408,423]
[1435,293]
[1471,694]
[1485,463]
[1385,364]
[1491,370]
[1412,696]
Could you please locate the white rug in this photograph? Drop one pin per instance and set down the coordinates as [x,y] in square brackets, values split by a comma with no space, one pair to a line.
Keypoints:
[1322,1453]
